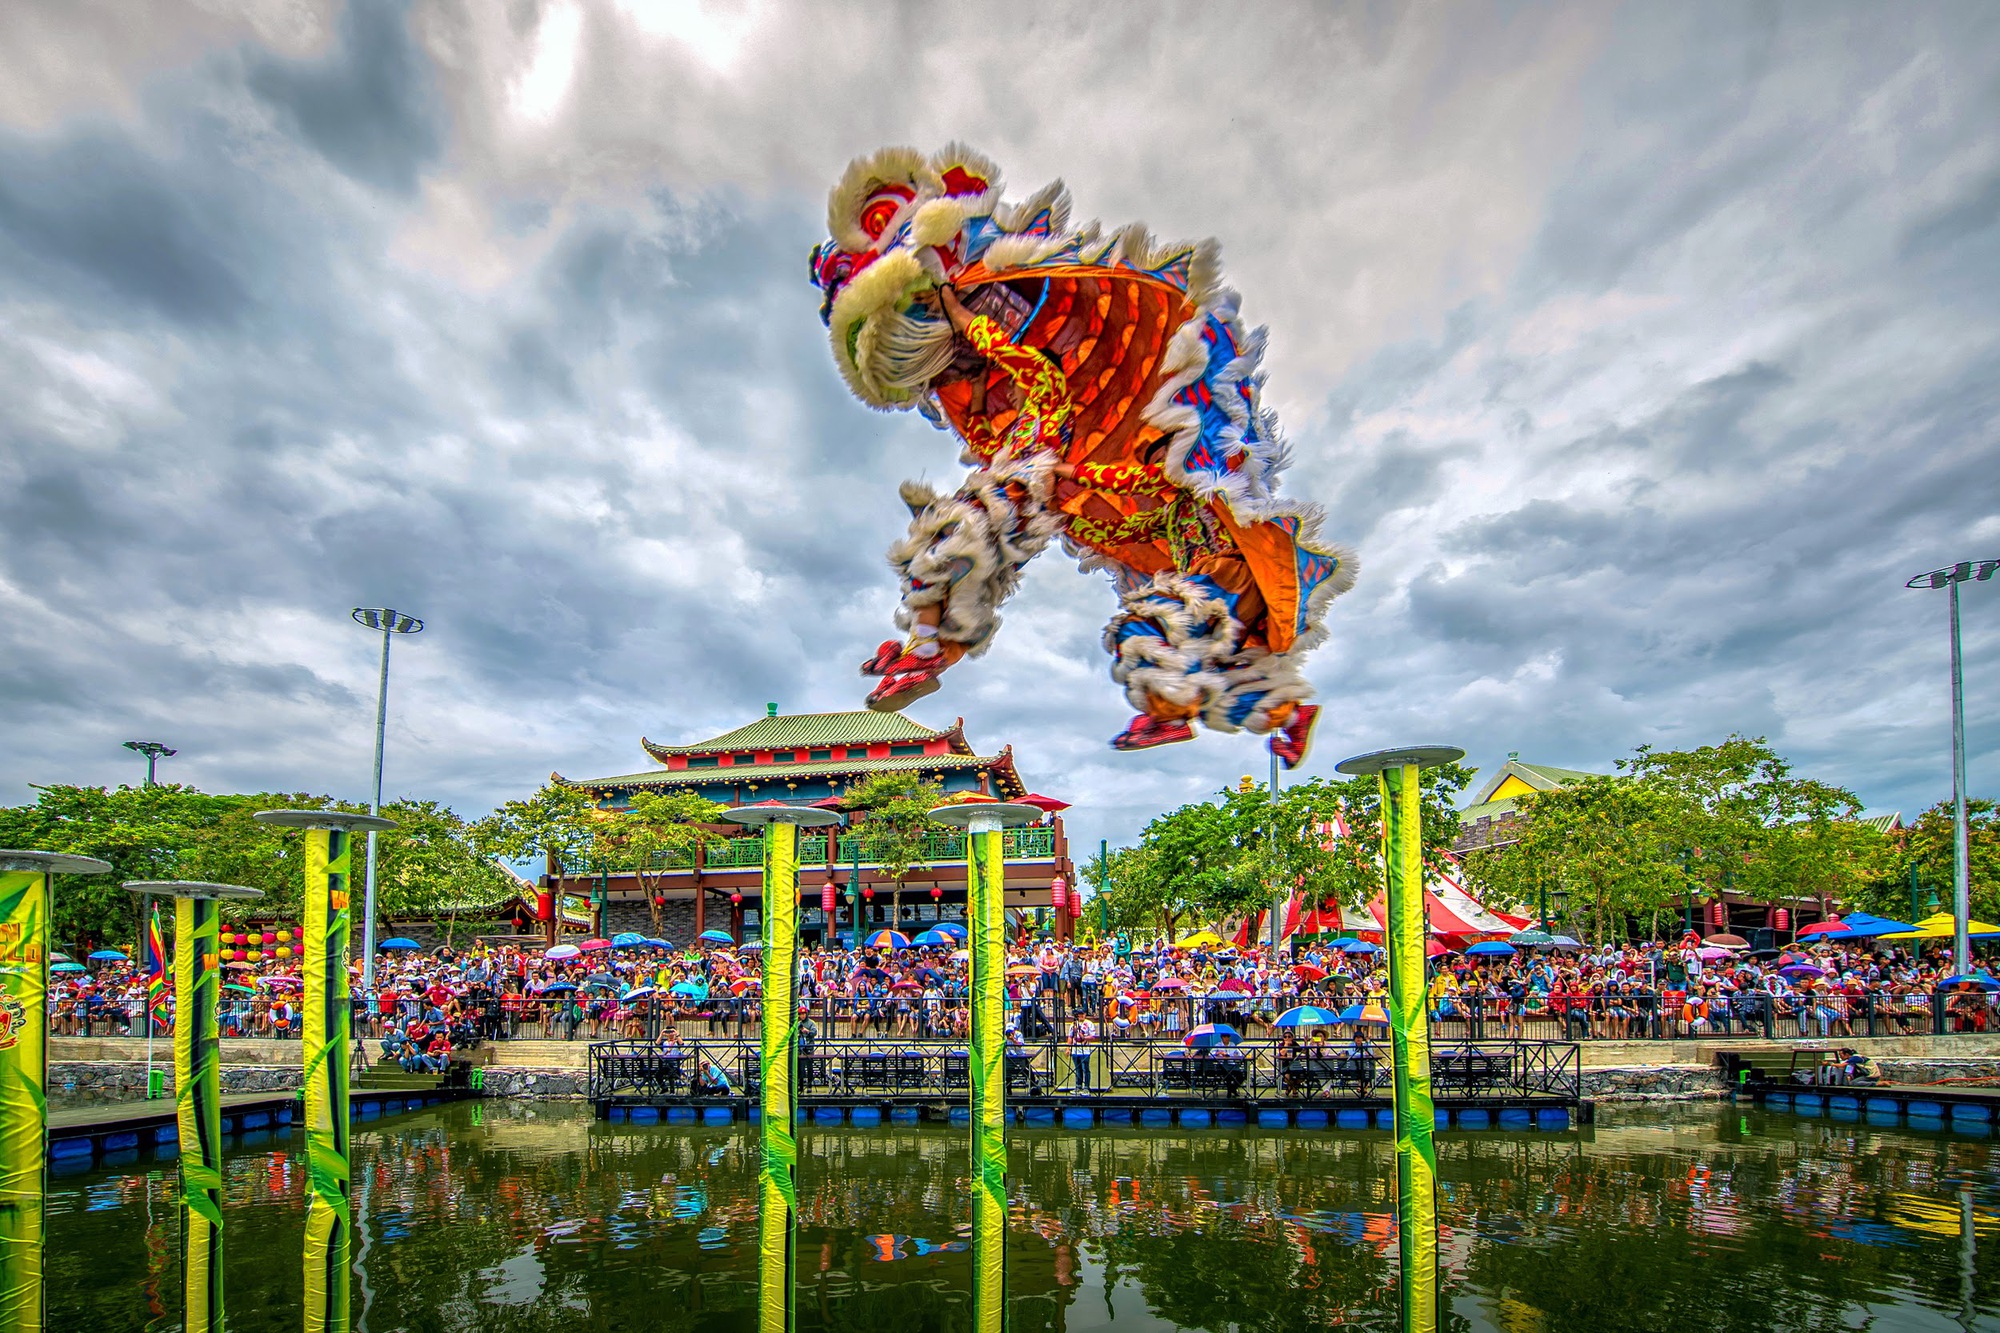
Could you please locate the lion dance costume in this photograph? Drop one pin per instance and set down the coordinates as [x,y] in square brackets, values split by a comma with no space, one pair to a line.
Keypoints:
[1107,396]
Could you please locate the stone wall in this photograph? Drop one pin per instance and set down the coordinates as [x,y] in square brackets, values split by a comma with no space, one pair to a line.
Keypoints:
[1652,1083]
[1936,1071]
[545,1085]
[91,1082]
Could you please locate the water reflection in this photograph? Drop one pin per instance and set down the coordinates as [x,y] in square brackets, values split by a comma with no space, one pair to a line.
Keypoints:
[513,1217]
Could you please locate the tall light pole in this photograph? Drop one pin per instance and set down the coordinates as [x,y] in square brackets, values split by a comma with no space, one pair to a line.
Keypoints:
[390,623]
[1961,868]
[154,752]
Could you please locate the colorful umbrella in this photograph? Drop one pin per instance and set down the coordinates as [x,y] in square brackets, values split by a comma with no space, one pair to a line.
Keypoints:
[1170,983]
[657,944]
[888,939]
[1491,949]
[1938,927]
[107,956]
[752,946]
[557,988]
[932,939]
[1369,1012]
[1201,939]
[1306,1016]
[1024,970]
[951,928]
[1307,972]
[693,988]
[1360,946]
[1797,970]
[1212,1034]
[594,946]
[1531,939]
[1833,925]
[627,939]
[717,937]
[637,993]
[399,943]
[1979,979]
[562,951]
[1232,986]
[68,967]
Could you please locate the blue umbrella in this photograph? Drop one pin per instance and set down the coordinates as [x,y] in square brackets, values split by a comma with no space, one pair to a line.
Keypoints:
[1213,1034]
[1863,924]
[107,956]
[68,967]
[1306,1016]
[1361,946]
[951,928]
[399,943]
[657,944]
[627,939]
[559,988]
[1491,949]
[637,993]
[694,988]
[933,939]
[1979,979]
[717,937]
[888,939]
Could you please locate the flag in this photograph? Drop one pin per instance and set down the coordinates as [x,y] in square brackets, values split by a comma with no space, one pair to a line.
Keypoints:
[156,965]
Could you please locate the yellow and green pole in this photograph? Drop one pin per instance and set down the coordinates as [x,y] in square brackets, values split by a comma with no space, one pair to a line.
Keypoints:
[777,1175]
[986,943]
[25,901]
[325,1031]
[198,1088]
[1407,935]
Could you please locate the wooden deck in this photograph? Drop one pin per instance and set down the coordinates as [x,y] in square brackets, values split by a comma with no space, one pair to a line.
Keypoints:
[79,1135]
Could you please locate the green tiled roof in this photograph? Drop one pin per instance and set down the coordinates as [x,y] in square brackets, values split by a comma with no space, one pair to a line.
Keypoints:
[1882,823]
[761,773]
[808,729]
[1542,777]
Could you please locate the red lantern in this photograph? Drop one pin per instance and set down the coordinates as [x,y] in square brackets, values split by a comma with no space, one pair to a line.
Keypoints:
[1718,916]
[828,894]
[659,900]
[270,937]
[736,899]
[868,895]
[1782,919]
[936,893]
[1075,906]
[1059,892]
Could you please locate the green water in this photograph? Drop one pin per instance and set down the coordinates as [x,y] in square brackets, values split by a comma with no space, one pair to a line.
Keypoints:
[505,1216]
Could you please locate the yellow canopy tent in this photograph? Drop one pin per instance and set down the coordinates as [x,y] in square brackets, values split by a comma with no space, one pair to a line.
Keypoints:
[1942,927]
[1201,939]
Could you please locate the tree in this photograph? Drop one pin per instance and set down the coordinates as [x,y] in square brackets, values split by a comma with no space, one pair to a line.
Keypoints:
[657,833]
[894,825]
[1599,848]
[430,866]
[1350,871]
[1927,846]
[558,823]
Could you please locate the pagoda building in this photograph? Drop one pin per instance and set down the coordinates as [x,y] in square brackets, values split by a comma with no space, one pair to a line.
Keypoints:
[811,759]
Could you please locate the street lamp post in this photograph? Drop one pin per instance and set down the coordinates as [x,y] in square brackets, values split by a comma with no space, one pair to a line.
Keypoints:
[154,752]
[1961,869]
[390,623]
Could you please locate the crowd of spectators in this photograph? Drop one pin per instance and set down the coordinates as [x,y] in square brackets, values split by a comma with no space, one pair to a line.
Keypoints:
[428,1002]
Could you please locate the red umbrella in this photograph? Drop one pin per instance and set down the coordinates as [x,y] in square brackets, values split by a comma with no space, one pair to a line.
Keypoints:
[1040,802]
[1833,925]
[1171,983]
[1307,972]
[1435,950]
[1234,986]
[594,946]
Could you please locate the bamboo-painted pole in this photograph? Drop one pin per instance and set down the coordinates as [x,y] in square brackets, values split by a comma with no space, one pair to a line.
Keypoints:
[328,1017]
[198,1089]
[1407,935]
[777,1174]
[25,904]
[985,911]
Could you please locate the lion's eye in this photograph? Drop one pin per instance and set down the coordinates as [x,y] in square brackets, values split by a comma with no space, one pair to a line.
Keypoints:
[875,218]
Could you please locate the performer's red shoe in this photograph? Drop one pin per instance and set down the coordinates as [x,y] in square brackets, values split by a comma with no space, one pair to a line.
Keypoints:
[907,681]
[1290,744]
[885,658]
[1146,731]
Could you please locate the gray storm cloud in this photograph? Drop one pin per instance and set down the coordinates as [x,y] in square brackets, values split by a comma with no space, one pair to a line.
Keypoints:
[1642,352]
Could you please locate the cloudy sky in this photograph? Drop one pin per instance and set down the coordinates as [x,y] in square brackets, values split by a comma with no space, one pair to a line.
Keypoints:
[1642,353]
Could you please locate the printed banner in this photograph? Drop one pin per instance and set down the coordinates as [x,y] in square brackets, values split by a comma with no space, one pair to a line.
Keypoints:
[986,871]
[198,1107]
[327,1016]
[24,1025]
[1409,1034]
[777,1185]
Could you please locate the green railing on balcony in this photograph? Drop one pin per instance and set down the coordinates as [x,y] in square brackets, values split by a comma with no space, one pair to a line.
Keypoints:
[1021,844]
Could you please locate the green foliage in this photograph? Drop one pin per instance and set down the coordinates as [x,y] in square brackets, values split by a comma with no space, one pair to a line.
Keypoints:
[427,867]
[1683,827]
[658,828]
[558,823]
[1216,859]
[894,812]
